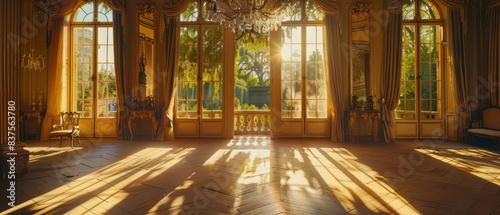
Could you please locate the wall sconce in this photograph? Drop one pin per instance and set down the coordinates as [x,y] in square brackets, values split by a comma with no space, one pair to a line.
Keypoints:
[31,62]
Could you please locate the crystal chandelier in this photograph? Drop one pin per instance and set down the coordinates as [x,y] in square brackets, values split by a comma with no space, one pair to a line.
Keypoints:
[258,16]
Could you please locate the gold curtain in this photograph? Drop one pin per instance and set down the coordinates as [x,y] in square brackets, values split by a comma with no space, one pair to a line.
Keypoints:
[459,75]
[123,81]
[10,31]
[337,79]
[459,5]
[54,72]
[391,67]
[493,55]
[57,9]
[168,68]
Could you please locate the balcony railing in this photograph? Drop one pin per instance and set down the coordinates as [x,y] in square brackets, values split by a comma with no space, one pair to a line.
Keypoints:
[252,122]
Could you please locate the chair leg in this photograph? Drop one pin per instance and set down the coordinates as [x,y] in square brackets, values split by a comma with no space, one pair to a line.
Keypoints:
[78,138]
[71,141]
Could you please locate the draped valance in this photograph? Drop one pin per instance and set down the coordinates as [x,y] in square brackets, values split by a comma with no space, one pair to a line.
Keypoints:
[494,3]
[457,4]
[396,4]
[116,5]
[58,7]
[327,7]
[172,8]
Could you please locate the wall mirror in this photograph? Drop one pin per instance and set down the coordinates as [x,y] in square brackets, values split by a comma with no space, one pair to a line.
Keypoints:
[146,48]
[360,50]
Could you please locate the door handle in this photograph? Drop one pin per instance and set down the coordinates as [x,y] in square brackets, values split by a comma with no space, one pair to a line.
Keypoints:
[93,77]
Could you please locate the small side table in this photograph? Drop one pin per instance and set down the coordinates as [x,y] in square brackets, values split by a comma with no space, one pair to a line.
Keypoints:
[373,115]
[142,114]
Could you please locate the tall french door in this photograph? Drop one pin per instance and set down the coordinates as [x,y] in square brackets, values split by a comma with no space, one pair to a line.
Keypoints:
[200,99]
[93,82]
[420,112]
[303,99]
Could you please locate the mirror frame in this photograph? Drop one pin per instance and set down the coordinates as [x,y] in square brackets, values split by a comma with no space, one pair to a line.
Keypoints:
[146,12]
[359,16]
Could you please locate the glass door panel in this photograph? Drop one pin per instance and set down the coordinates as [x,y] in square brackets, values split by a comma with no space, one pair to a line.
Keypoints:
[200,82]
[430,81]
[105,119]
[212,73]
[291,77]
[406,108]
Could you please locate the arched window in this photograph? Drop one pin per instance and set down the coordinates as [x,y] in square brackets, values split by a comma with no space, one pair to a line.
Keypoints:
[422,86]
[93,84]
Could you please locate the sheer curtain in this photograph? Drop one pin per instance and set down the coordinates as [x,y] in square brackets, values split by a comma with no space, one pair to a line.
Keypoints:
[55,67]
[55,63]
[391,67]
[167,77]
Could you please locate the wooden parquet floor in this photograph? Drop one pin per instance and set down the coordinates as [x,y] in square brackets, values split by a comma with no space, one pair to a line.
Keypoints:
[256,175]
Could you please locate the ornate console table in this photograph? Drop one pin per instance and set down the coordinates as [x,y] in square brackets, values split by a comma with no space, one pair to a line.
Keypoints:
[364,114]
[142,114]
[31,121]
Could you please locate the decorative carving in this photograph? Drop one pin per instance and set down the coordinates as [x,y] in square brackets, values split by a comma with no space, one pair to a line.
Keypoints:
[360,11]
[364,114]
[362,104]
[141,114]
[147,10]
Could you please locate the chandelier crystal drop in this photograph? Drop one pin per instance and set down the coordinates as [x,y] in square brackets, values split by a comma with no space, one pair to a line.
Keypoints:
[258,16]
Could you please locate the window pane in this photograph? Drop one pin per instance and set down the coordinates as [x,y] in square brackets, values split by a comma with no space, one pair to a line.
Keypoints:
[409,10]
[212,73]
[430,38]
[85,13]
[191,13]
[296,12]
[315,73]
[187,106]
[291,86]
[106,84]
[407,90]
[105,14]
[82,70]
[428,10]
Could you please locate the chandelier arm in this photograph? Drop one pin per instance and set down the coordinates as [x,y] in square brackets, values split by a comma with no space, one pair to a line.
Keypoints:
[258,16]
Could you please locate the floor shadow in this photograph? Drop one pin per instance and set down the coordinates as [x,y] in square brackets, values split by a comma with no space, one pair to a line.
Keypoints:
[433,176]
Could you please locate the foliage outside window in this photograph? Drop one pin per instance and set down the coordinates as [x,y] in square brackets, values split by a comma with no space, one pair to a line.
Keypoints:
[200,67]
[251,72]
